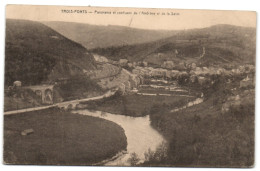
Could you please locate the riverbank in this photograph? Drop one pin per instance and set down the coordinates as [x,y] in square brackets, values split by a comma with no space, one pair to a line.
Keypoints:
[60,138]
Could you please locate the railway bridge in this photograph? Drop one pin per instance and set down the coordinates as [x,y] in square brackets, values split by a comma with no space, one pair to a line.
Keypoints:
[43,91]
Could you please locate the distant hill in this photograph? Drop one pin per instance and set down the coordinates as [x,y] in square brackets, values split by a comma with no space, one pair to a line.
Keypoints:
[35,53]
[215,45]
[97,36]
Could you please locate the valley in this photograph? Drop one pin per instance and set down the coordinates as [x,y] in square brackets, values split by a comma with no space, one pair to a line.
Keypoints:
[128,96]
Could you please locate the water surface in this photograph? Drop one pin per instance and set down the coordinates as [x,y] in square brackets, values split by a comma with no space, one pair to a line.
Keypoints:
[140,135]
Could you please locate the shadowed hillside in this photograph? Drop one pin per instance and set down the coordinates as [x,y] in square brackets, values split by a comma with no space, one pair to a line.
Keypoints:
[219,44]
[35,53]
[97,36]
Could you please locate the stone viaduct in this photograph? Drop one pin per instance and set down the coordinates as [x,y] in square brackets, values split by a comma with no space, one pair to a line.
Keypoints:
[43,91]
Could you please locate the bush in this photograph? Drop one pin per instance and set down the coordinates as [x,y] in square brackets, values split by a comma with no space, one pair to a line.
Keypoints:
[134,159]
[157,156]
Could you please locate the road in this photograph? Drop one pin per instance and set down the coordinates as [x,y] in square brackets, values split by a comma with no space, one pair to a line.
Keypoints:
[107,94]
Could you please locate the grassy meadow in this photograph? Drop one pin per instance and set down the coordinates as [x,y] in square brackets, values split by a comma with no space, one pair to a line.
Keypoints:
[60,138]
[136,105]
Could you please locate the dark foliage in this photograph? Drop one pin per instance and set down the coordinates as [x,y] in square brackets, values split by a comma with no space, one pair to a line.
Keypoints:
[33,50]
[204,136]
[78,87]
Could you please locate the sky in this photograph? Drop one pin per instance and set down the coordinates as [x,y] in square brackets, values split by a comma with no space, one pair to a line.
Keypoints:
[143,18]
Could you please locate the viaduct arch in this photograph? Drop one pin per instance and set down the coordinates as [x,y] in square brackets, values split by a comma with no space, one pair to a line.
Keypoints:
[43,91]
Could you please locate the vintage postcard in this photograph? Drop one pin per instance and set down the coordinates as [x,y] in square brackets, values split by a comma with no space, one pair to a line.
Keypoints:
[129,87]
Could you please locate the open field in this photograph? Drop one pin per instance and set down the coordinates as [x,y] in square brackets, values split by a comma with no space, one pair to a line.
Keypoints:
[60,138]
[136,105]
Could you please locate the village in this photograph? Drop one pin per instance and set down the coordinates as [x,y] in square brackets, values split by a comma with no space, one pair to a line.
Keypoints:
[123,96]
[240,80]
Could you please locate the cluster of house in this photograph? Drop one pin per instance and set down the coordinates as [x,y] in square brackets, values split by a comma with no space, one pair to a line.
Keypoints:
[232,101]
[99,58]
[124,80]
[247,82]
[120,62]
[126,63]
[217,71]
[157,72]
[235,101]
[201,74]
[171,65]
[16,84]
[190,71]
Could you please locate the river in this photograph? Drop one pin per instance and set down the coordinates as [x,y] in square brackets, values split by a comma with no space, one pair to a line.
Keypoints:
[140,135]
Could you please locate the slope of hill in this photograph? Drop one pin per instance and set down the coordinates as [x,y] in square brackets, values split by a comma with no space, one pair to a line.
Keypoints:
[97,36]
[219,44]
[35,53]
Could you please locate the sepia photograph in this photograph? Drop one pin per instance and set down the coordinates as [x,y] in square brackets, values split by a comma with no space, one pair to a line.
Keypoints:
[143,87]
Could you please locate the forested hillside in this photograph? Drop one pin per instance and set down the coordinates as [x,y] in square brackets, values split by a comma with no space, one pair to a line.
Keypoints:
[35,53]
[219,44]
